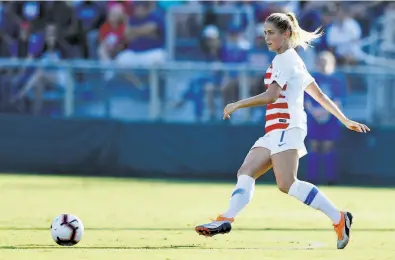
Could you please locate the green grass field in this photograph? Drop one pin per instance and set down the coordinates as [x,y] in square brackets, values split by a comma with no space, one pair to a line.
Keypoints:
[149,220]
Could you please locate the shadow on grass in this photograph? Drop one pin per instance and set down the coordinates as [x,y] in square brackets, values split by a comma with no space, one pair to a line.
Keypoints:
[310,246]
[97,247]
[192,229]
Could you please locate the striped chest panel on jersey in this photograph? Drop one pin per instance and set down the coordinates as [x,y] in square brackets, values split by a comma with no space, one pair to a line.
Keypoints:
[277,113]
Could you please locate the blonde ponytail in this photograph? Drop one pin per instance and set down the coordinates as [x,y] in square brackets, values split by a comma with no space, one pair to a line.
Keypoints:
[300,37]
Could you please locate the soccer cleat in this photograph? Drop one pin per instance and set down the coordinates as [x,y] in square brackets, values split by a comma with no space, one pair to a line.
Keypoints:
[343,229]
[221,225]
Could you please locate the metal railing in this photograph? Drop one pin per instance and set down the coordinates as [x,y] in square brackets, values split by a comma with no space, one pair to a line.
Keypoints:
[376,95]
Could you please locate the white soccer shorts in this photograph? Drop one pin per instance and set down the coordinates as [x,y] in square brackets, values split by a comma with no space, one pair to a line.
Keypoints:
[280,141]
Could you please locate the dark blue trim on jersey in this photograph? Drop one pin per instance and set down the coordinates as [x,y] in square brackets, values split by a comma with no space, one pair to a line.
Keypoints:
[282,136]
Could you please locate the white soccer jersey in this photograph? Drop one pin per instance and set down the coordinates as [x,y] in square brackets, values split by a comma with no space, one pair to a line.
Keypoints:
[289,71]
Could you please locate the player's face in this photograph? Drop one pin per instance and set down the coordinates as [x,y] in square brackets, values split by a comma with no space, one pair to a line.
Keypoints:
[273,37]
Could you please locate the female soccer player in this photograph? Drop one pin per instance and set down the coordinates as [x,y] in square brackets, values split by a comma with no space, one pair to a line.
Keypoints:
[283,143]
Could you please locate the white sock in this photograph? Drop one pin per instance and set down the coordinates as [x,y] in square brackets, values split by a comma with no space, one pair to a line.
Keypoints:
[241,195]
[311,196]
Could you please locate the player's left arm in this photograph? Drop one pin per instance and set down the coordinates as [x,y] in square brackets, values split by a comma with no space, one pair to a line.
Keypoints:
[315,92]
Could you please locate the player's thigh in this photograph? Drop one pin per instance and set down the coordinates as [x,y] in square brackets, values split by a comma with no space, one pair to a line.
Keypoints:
[256,163]
[285,167]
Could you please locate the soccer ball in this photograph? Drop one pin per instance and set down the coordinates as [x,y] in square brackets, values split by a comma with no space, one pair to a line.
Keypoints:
[67,230]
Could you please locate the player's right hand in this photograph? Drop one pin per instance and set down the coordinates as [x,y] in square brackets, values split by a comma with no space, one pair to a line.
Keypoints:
[229,109]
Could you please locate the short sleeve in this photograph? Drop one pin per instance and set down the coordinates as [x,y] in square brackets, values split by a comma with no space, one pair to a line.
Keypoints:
[308,79]
[281,72]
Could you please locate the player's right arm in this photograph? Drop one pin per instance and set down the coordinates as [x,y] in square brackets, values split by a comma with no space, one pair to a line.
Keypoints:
[269,96]
[315,92]
[281,70]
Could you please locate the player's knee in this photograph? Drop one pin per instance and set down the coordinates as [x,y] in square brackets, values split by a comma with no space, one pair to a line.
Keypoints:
[245,170]
[285,185]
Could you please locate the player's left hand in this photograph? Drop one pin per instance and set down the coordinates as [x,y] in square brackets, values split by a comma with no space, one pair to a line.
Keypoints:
[229,109]
[355,126]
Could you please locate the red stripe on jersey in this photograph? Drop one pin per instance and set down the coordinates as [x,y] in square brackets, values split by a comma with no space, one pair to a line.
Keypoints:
[277,105]
[281,96]
[276,126]
[277,115]
[268,75]
[285,87]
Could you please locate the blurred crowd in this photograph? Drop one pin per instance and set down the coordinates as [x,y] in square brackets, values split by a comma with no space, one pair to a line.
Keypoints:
[106,29]
[134,32]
